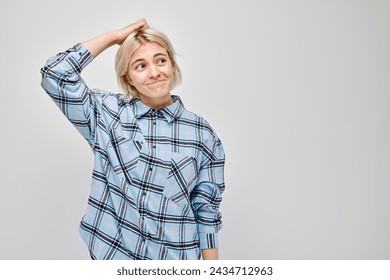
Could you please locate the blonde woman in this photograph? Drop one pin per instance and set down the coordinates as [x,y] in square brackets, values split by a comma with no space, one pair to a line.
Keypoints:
[158,170]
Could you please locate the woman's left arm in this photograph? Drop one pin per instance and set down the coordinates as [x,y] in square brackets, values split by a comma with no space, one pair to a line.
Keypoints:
[206,197]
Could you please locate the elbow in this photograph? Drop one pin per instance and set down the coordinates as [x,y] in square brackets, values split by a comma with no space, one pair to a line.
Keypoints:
[45,84]
[45,76]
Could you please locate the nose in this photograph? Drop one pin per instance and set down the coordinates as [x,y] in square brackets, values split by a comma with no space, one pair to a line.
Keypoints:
[153,72]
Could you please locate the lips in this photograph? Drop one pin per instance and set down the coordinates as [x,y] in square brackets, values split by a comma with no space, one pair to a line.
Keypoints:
[156,82]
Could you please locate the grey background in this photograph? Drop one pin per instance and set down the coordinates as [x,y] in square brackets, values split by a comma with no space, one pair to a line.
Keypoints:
[298,91]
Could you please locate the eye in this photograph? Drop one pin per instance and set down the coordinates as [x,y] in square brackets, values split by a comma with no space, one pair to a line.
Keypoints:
[140,67]
[161,61]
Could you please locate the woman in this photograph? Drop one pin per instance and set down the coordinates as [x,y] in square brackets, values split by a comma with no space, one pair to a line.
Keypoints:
[158,170]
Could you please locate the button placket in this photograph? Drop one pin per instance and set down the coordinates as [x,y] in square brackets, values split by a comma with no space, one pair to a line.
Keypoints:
[143,233]
[144,195]
[153,134]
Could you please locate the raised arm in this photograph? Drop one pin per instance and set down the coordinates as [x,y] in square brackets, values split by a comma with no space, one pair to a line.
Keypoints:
[62,81]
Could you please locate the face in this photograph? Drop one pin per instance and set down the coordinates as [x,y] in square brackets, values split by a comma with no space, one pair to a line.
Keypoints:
[150,72]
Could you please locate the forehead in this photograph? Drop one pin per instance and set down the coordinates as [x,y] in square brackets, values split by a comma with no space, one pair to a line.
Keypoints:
[147,50]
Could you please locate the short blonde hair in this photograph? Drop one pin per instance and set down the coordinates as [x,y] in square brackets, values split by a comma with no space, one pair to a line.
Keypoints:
[126,50]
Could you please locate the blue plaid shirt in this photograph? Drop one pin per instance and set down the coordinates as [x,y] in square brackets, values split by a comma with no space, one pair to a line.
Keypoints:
[158,174]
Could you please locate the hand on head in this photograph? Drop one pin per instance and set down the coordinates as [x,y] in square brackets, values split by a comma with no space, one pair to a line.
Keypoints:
[122,33]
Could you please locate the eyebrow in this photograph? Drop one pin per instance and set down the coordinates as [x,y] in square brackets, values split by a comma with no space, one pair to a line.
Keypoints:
[141,59]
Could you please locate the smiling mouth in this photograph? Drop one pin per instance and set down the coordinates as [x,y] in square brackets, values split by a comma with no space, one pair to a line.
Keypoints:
[156,82]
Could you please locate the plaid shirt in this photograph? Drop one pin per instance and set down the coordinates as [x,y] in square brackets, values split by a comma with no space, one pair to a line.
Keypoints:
[158,174]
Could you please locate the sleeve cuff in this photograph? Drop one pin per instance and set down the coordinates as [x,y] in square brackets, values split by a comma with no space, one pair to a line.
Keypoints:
[208,240]
[81,55]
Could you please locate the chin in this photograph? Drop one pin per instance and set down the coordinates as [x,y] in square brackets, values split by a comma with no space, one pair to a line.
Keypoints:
[156,94]
[159,93]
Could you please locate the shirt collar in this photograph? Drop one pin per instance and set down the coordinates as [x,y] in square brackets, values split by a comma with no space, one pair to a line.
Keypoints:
[170,112]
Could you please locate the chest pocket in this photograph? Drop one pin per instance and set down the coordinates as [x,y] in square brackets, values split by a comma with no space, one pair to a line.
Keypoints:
[181,177]
[123,154]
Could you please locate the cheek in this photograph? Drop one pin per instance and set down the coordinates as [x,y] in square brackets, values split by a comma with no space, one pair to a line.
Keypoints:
[168,72]
[135,78]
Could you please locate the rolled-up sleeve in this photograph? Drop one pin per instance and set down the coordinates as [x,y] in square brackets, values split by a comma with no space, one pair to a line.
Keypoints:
[206,196]
[62,82]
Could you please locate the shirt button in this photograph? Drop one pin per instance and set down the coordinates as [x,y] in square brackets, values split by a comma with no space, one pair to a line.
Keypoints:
[150,168]
[154,123]
[154,146]
[143,194]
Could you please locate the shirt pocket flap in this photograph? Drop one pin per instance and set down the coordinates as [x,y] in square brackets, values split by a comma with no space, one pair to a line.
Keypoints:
[123,153]
[182,175]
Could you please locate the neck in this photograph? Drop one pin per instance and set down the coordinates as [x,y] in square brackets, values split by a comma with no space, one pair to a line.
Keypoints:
[156,103]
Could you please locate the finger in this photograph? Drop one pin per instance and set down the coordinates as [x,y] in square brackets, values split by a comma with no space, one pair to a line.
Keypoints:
[142,24]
